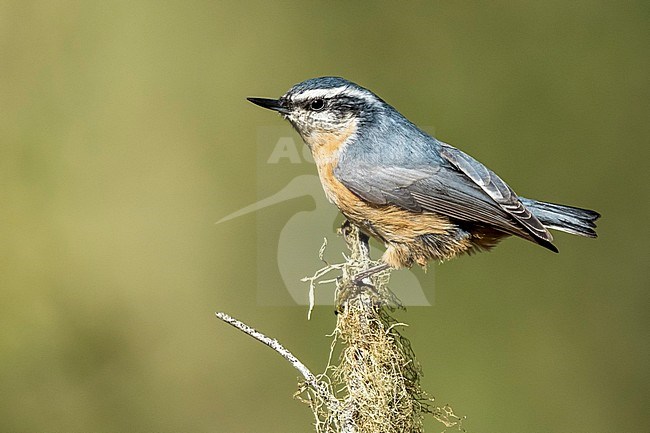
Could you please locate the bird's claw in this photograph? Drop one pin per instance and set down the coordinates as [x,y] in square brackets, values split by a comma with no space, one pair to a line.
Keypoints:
[359,281]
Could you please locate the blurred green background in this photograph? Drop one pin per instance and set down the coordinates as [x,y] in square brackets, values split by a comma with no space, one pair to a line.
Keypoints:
[125,135]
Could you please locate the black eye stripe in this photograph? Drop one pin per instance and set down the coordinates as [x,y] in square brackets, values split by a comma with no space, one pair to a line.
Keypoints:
[335,104]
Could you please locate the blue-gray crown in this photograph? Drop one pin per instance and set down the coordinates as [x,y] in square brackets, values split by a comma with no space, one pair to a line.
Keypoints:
[325,83]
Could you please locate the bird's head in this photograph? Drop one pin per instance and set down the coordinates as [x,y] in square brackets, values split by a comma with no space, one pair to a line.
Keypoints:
[324,107]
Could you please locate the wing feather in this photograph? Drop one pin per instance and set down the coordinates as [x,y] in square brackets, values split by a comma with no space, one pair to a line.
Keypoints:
[497,189]
[457,186]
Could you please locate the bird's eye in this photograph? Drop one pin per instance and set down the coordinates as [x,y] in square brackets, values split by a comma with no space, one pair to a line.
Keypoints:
[317,104]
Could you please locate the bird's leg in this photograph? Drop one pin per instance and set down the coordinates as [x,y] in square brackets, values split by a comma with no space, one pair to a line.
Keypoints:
[355,238]
[362,242]
[364,246]
[346,230]
[358,279]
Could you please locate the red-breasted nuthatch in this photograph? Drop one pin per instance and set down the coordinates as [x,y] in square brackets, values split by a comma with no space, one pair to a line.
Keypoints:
[422,198]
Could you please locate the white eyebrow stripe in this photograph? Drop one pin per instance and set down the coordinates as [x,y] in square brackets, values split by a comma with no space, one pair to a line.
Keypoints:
[335,91]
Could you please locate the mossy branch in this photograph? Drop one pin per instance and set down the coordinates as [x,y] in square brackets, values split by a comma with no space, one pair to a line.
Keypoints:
[375,388]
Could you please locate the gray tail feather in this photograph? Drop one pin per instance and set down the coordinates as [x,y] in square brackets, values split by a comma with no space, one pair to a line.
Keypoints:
[568,219]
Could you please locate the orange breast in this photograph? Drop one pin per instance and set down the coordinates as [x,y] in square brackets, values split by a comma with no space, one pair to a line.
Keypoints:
[389,223]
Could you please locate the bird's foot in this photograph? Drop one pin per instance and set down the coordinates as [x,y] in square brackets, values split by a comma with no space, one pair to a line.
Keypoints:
[358,279]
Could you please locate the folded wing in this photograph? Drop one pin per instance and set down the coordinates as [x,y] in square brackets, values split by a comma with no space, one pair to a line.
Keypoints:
[448,182]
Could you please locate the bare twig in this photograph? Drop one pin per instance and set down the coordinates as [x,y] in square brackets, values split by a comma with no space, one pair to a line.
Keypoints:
[320,388]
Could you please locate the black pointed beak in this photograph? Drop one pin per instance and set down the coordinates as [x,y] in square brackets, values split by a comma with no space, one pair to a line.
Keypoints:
[271,104]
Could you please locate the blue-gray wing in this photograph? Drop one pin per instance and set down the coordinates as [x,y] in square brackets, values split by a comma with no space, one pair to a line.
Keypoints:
[497,189]
[448,182]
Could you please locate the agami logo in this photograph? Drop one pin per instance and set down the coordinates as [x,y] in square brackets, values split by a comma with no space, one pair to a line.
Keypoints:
[293,216]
